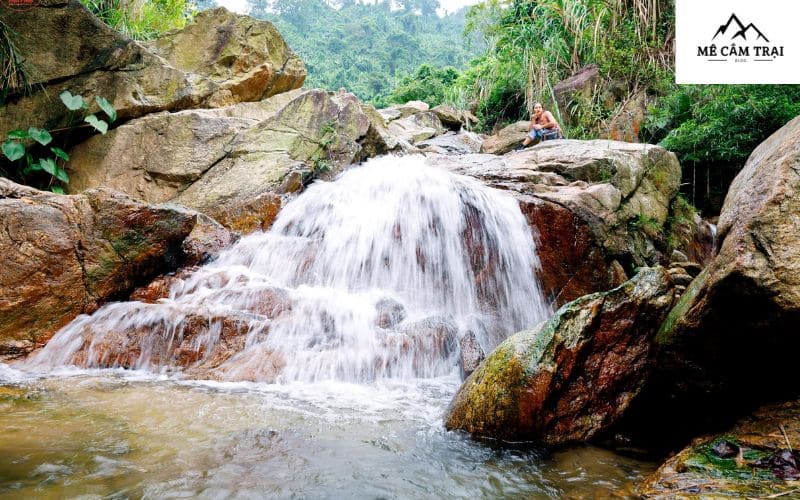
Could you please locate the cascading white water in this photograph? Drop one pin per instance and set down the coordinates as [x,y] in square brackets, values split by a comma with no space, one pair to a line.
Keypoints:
[377,274]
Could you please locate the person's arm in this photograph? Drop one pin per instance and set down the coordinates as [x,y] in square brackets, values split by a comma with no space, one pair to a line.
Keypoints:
[550,122]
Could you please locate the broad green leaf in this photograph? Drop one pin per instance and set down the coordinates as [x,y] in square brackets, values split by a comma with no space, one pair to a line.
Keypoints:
[32,167]
[57,189]
[18,134]
[107,108]
[72,102]
[97,123]
[13,150]
[49,166]
[39,135]
[60,153]
[62,175]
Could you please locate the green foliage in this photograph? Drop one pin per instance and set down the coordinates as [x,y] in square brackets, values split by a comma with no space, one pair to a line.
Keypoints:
[320,160]
[26,150]
[13,77]
[645,224]
[533,44]
[366,48]
[714,128]
[142,19]
[428,84]
[720,123]
[680,224]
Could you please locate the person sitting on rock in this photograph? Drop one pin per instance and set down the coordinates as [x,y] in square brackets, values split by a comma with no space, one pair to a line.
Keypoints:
[543,127]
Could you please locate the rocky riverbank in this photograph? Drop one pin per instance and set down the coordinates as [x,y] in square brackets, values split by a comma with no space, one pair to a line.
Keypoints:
[215,134]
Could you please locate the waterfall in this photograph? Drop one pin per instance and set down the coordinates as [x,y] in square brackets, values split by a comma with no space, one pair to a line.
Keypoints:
[377,274]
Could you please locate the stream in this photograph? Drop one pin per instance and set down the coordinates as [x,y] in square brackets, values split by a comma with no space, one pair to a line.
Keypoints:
[336,390]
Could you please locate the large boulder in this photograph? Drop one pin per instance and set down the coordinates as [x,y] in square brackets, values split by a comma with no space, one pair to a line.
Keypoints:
[731,340]
[627,122]
[597,207]
[506,139]
[417,127]
[573,377]
[65,255]
[245,58]
[232,163]
[454,119]
[220,58]
[754,459]
[578,90]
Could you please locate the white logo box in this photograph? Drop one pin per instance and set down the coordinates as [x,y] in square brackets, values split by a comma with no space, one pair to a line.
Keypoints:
[737,41]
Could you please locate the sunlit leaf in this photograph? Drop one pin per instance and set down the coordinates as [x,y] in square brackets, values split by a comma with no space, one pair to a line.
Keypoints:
[60,153]
[39,135]
[99,125]
[107,108]
[18,134]
[72,102]
[13,150]
[49,166]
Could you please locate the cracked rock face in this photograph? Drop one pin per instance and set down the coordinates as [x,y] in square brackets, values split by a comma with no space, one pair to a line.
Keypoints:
[232,163]
[219,59]
[66,255]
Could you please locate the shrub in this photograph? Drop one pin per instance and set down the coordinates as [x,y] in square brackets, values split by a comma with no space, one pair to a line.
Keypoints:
[142,19]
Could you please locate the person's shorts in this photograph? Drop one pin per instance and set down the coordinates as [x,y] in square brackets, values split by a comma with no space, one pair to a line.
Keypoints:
[545,134]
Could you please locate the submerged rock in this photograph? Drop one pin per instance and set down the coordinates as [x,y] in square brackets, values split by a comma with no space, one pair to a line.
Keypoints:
[66,255]
[220,58]
[753,459]
[471,355]
[574,376]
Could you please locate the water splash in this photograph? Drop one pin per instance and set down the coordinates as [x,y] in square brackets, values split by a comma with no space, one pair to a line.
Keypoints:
[376,275]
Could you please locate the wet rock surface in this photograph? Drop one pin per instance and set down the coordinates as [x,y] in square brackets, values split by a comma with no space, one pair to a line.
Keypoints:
[66,255]
[589,203]
[574,376]
[755,458]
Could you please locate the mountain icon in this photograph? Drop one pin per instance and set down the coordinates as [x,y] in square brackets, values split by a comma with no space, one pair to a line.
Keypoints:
[741,31]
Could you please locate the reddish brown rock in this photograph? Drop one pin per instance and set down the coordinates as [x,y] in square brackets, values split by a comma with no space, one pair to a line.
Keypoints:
[598,209]
[577,90]
[626,124]
[572,264]
[68,254]
[574,376]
